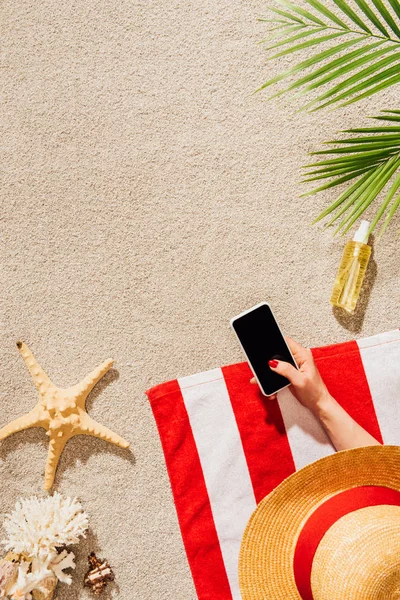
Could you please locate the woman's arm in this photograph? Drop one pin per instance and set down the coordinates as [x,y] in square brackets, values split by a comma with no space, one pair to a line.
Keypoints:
[342,429]
[309,389]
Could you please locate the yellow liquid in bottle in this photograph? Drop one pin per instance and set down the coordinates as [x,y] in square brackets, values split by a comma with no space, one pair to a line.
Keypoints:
[350,275]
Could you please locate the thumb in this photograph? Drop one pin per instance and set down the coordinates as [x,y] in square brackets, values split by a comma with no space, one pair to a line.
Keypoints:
[286,370]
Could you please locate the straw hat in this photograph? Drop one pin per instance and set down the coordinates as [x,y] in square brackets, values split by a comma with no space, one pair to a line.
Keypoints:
[331,531]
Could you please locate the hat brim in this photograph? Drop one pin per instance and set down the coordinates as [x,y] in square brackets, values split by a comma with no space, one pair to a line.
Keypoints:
[269,541]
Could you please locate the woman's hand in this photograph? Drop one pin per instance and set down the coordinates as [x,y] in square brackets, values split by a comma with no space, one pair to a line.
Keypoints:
[309,389]
[306,382]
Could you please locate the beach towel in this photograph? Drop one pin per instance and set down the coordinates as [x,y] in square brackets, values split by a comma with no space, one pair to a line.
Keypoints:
[226,446]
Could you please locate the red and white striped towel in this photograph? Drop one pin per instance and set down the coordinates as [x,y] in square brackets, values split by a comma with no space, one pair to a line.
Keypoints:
[226,446]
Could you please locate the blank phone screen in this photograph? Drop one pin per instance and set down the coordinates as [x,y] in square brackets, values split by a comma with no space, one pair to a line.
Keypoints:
[262,341]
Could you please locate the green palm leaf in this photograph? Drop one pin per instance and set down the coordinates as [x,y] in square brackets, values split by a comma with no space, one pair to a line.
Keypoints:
[370,160]
[373,65]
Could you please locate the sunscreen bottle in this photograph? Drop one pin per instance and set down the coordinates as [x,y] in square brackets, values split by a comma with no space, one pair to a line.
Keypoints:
[352,269]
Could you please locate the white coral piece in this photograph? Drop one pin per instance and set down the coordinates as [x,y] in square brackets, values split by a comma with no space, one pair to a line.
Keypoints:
[64,560]
[27,581]
[36,528]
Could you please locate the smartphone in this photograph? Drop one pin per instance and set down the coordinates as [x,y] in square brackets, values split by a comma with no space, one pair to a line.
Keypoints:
[261,339]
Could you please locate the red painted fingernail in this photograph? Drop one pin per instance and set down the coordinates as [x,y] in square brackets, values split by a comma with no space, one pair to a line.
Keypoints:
[273,363]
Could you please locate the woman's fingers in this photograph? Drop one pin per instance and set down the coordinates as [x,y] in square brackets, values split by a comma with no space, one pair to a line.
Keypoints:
[287,370]
[293,345]
[253,380]
[300,353]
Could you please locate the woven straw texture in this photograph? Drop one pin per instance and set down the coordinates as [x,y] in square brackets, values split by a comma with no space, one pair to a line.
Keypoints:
[269,541]
[359,556]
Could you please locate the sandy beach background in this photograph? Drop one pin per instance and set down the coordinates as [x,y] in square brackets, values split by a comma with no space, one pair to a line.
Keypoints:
[147,197]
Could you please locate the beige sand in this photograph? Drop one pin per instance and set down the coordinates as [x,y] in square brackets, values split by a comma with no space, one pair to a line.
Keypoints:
[147,198]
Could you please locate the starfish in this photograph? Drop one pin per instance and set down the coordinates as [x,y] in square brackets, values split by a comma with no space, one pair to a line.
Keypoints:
[61,412]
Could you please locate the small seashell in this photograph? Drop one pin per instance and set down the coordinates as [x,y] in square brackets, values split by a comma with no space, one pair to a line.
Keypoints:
[46,590]
[8,576]
[99,574]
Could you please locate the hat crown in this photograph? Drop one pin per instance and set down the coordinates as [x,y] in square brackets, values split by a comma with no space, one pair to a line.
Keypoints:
[359,556]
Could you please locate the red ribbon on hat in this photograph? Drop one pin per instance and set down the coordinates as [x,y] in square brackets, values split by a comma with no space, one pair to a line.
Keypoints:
[324,517]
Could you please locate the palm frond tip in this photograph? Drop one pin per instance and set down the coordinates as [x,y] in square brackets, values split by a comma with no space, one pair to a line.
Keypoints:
[373,65]
[370,160]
